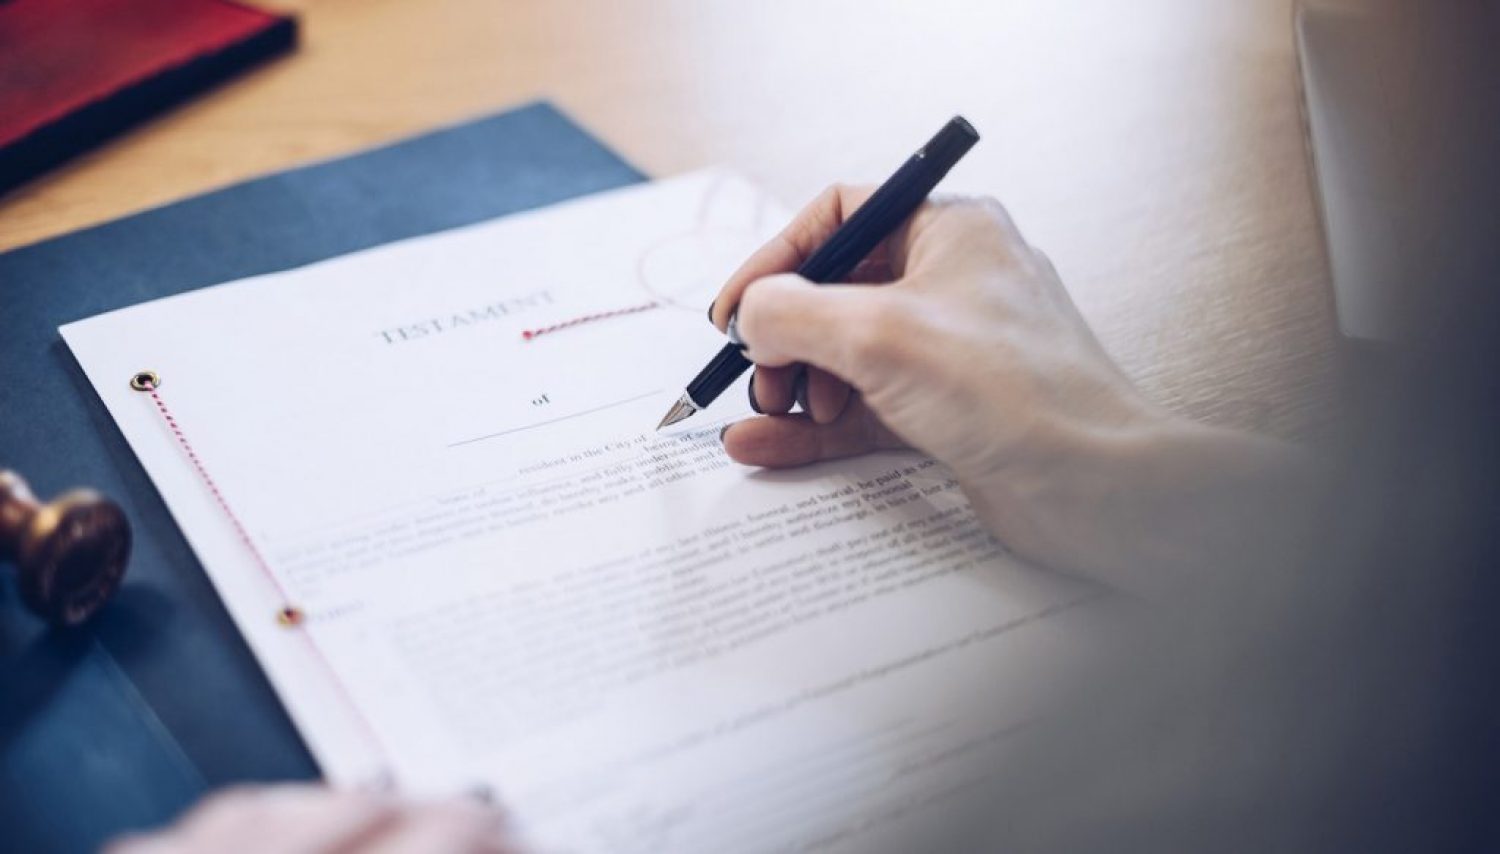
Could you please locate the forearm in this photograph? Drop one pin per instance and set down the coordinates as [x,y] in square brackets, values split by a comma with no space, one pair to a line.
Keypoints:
[1157,508]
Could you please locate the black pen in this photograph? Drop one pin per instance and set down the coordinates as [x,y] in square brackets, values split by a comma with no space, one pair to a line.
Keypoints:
[873,222]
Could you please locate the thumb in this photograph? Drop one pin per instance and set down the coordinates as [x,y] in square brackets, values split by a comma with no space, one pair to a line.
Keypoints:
[847,330]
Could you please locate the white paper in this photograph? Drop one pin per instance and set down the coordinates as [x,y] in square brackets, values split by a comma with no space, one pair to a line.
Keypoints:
[512,584]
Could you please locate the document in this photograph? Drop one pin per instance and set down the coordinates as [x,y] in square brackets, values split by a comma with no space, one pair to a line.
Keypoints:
[425,481]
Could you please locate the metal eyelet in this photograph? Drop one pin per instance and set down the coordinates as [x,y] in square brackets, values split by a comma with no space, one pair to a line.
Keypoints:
[145,381]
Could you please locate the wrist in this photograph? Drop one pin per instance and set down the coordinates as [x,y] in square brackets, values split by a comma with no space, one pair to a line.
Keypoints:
[1144,503]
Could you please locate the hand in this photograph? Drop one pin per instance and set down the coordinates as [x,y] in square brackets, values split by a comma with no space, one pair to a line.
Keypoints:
[310,819]
[973,321]
[973,353]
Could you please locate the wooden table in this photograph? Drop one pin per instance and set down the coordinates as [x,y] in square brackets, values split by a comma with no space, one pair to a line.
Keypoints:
[1154,149]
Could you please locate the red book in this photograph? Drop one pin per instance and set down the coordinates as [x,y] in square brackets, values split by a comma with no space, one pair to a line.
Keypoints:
[74,72]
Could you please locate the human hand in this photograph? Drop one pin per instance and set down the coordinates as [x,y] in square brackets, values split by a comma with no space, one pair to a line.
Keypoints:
[974,353]
[973,321]
[310,819]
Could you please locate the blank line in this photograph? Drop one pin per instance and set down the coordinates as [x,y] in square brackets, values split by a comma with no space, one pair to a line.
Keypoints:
[301,534]
[555,420]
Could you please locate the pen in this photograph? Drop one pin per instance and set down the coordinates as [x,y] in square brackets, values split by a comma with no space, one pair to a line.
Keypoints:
[887,208]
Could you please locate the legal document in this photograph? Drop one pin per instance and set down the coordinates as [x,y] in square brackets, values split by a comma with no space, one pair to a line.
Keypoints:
[425,482]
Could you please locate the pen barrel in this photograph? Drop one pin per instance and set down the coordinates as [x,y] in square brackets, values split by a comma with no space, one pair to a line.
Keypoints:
[720,373]
[882,213]
[890,204]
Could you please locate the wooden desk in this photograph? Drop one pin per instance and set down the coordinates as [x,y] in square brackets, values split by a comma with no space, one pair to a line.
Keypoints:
[1154,148]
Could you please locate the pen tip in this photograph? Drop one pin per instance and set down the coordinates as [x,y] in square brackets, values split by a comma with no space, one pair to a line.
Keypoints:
[680,410]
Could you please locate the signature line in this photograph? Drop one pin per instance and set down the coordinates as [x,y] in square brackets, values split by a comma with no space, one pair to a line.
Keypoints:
[554,420]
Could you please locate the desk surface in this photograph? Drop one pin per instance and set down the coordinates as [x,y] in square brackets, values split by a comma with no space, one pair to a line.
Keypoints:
[1153,149]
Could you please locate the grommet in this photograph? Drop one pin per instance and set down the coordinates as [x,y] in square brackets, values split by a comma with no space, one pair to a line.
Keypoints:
[290,616]
[145,381]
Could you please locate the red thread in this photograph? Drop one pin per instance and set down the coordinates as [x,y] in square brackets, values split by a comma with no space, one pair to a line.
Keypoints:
[588,318]
[288,615]
[213,489]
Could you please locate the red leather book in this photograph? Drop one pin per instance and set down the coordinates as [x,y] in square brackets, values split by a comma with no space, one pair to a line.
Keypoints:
[74,72]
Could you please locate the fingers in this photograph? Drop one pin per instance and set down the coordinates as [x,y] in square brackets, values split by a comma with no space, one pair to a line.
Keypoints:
[315,819]
[454,827]
[872,271]
[773,390]
[847,330]
[825,396]
[783,441]
[272,818]
[803,235]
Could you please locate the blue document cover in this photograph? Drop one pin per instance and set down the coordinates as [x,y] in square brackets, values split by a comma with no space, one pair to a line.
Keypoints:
[123,723]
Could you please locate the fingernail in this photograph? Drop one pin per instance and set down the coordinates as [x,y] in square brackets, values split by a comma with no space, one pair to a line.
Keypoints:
[722,431]
[753,404]
[711,311]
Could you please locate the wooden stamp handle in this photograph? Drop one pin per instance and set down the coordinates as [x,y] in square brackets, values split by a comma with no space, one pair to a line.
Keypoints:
[70,554]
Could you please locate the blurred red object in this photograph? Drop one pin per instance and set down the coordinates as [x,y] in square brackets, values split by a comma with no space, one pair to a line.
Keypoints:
[74,72]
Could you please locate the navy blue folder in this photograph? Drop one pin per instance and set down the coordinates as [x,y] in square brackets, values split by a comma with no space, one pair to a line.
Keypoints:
[125,722]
